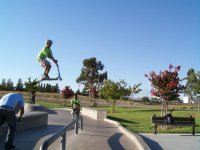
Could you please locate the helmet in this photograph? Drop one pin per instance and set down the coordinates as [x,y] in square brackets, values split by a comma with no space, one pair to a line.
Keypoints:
[49,42]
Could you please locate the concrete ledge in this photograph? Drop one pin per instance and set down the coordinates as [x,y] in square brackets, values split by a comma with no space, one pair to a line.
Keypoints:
[34,107]
[30,120]
[133,136]
[93,113]
[102,115]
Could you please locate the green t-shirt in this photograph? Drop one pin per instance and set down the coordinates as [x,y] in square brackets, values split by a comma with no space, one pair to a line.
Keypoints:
[44,53]
[75,103]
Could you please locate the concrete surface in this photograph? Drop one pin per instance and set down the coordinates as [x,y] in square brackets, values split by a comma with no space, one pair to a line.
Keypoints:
[135,138]
[172,141]
[93,113]
[96,135]
[100,135]
[28,122]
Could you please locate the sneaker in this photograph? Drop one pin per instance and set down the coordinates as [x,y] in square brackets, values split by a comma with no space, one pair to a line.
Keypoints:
[44,76]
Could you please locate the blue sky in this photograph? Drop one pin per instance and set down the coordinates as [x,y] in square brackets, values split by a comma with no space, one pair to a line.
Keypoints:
[130,37]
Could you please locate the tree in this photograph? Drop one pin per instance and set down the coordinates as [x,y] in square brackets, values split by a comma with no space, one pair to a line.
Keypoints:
[10,85]
[78,92]
[190,85]
[166,85]
[124,90]
[193,86]
[145,99]
[48,88]
[90,73]
[67,92]
[94,94]
[112,91]
[31,87]
[193,83]
[20,85]
[55,89]
[3,84]
[135,90]
[197,87]
[85,91]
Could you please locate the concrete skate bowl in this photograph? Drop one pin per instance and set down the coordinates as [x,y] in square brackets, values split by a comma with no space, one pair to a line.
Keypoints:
[35,116]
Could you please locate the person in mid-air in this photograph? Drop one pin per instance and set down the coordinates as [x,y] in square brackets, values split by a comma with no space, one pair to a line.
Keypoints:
[42,55]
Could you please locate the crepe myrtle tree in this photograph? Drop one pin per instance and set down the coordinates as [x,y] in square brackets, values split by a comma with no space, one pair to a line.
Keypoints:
[94,93]
[67,93]
[166,85]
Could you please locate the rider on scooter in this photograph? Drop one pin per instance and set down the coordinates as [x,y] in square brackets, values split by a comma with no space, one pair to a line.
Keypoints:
[42,55]
[75,107]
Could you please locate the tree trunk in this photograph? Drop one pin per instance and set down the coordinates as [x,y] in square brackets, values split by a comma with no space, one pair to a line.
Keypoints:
[190,99]
[113,106]
[132,103]
[164,107]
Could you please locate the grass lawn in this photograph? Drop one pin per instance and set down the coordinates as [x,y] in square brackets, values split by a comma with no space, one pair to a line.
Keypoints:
[139,119]
[50,105]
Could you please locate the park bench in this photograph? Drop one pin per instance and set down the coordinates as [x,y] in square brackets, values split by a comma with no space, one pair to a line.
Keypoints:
[177,121]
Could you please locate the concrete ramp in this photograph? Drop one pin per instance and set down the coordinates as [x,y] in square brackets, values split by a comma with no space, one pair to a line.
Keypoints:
[31,119]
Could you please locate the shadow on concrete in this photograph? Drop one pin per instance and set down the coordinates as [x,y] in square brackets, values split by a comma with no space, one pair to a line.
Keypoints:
[99,126]
[152,144]
[36,107]
[99,131]
[114,143]
[120,120]
[32,139]
[83,134]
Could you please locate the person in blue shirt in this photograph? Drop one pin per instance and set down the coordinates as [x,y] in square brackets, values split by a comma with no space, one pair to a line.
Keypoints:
[9,104]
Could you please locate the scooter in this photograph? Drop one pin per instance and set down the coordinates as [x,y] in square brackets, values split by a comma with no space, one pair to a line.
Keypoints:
[58,78]
[75,113]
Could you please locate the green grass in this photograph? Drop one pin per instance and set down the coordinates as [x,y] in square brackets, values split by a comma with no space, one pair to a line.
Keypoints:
[50,105]
[139,119]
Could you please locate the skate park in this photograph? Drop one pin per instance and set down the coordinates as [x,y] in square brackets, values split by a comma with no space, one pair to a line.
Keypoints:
[97,133]
[133,64]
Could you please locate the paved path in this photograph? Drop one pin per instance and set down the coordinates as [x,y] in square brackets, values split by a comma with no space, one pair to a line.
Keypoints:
[96,135]
[172,141]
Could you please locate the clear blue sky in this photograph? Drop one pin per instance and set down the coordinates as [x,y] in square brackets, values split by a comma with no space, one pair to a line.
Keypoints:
[130,37]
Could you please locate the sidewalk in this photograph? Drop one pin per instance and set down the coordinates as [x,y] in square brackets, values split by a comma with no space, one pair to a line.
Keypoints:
[172,141]
[96,135]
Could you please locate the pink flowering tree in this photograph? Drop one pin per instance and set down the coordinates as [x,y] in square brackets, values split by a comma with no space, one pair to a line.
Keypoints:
[94,95]
[67,93]
[166,85]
